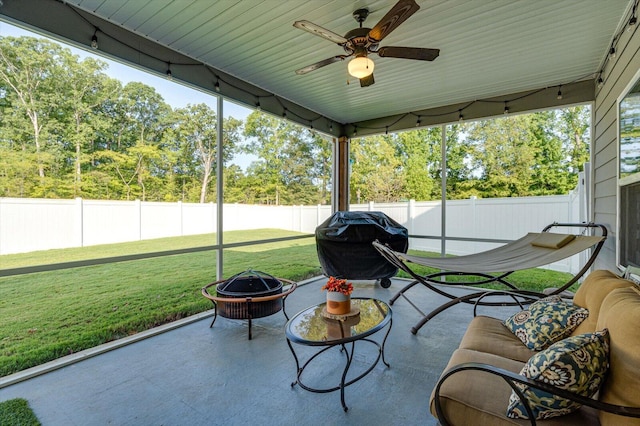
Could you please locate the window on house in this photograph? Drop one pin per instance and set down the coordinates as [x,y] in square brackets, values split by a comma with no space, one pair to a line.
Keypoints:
[629,177]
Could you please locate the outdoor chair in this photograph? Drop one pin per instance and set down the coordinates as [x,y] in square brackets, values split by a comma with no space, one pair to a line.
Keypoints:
[494,267]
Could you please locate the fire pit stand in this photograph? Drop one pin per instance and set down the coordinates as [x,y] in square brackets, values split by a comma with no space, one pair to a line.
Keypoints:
[248,295]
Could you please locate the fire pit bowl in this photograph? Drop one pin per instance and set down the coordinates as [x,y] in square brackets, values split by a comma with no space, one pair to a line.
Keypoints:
[248,295]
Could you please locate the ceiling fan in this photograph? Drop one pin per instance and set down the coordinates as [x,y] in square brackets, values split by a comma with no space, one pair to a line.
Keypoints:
[360,42]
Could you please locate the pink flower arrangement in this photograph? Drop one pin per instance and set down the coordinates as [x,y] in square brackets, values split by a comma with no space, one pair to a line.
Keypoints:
[335,284]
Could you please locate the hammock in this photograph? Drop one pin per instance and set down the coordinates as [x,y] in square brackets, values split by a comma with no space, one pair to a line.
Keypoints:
[494,266]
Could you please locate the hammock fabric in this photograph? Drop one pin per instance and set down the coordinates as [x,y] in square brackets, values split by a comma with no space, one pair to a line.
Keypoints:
[515,256]
[494,266]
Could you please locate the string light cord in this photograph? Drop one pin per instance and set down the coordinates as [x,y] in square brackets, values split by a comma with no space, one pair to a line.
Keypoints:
[458,112]
[630,24]
[287,111]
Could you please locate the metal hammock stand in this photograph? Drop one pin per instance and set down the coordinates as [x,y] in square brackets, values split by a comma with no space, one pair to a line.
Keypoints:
[531,251]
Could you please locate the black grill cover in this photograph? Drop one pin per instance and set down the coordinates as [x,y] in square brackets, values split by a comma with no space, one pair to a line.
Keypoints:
[344,245]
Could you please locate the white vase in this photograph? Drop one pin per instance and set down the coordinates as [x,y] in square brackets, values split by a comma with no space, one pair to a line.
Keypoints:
[338,303]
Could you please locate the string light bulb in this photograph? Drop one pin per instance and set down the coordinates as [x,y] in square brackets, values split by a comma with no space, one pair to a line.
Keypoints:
[632,22]
[418,122]
[600,82]
[284,113]
[94,41]
[169,75]
[216,86]
[460,116]
[355,131]
[506,108]
[258,107]
[559,96]
[612,53]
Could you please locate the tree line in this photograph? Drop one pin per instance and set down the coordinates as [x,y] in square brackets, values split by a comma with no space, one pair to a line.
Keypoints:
[69,130]
[514,156]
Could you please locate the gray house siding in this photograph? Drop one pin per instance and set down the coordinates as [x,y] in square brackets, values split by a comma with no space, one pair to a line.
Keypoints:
[618,73]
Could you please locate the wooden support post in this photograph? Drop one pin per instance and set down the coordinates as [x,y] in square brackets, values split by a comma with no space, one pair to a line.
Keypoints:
[342,184]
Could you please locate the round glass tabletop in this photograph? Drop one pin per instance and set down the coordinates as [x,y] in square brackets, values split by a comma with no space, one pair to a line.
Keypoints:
[312,327]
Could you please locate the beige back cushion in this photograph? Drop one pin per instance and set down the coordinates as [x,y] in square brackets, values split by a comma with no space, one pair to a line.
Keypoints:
[620,313]
[592,292]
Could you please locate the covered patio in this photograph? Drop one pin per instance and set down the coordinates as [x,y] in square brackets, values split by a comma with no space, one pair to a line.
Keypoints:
[495,58]
[200,376]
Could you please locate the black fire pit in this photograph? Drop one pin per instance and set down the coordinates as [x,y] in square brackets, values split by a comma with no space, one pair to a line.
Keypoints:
[248,295]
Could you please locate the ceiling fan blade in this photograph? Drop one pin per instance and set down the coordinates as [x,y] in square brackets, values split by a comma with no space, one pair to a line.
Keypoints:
[320,64]
[367,81]
[418,53]
[319,31]
[396,16]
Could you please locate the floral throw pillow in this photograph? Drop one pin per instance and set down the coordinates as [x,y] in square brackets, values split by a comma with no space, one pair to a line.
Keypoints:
[545,322]
[577,364]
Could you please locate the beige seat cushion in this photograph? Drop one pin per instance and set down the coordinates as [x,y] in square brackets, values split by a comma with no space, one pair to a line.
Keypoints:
[620,314]
[592,292]
[486,334]
[479,398]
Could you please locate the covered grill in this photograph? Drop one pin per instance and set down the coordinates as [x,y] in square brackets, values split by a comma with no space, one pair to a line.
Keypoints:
[247,295]
[344,247]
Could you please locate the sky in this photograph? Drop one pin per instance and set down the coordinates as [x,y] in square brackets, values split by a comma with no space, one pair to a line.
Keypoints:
[174,93]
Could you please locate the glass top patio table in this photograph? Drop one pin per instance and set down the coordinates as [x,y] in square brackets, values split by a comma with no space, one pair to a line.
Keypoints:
[311,327]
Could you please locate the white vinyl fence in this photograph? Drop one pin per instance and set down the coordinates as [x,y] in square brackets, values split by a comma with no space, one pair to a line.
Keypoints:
[40,224]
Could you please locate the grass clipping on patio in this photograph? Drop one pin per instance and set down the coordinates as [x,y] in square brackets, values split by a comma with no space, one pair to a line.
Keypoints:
[16,412]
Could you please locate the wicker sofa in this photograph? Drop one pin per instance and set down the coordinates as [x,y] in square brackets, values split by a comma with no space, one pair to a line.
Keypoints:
[482,373]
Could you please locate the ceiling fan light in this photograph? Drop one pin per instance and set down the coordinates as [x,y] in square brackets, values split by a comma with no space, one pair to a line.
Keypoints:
[361,67]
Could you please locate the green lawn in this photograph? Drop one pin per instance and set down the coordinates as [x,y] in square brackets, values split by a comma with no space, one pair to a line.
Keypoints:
[16,412]
[47,315]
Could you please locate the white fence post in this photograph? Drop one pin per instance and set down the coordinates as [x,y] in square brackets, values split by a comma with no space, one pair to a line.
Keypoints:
[411,214]
[582,199]
[79,222]
[293,223]
[474,216]
[572,195]
[214,218]
[181,215]
[301,224]
[138,219]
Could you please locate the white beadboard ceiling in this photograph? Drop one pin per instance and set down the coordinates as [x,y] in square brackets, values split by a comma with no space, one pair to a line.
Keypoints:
[488,48]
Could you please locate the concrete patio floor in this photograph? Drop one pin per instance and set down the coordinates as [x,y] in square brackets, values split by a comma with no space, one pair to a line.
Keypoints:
[194,375]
